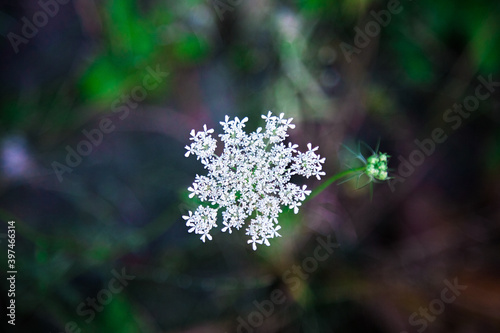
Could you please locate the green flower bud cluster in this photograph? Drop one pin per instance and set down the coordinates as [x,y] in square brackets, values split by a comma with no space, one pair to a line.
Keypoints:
[376,166]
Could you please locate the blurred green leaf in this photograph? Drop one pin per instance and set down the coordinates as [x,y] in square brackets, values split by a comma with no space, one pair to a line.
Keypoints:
[102,81]
[190,48]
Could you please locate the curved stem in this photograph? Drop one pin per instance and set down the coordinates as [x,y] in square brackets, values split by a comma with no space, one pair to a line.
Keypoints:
[331,180]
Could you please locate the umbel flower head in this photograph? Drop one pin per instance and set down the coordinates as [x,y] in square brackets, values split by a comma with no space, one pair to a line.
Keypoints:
[375,166]
[250,179]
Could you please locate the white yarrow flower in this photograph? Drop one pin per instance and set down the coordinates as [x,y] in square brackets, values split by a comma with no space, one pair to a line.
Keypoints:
[250,179]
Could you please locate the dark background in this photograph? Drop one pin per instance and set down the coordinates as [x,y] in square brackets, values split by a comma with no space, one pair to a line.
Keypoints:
[120,207]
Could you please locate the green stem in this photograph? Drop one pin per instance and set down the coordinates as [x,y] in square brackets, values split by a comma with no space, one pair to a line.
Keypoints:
[331,180]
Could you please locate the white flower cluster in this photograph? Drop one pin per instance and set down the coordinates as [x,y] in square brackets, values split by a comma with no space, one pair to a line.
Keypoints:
[250,179]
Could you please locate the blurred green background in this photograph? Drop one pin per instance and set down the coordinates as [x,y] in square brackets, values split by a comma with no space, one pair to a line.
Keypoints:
[134,77]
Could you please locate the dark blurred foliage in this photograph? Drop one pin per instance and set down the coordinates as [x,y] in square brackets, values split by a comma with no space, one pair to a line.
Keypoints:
[120,207]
